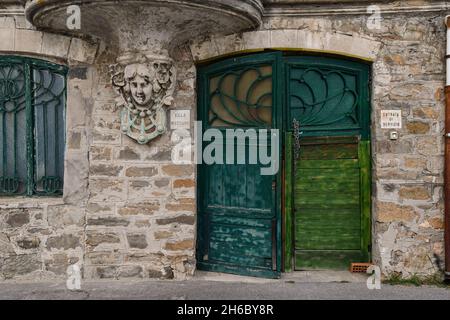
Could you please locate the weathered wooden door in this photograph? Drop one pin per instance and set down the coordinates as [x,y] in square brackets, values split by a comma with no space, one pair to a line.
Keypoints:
[327,188]
[328,166]
[238,222]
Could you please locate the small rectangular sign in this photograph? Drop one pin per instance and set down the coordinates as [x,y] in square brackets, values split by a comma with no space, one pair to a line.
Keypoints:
[391,119]
[180,119]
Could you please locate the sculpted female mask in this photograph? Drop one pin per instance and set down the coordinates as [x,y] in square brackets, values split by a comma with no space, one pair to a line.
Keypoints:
[146,89]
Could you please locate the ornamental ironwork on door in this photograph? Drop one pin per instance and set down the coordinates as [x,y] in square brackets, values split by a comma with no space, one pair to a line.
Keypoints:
[242,98]
[32,126]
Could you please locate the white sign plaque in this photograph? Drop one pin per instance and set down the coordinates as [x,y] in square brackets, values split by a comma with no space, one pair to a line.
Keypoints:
[391,119]
[180,119]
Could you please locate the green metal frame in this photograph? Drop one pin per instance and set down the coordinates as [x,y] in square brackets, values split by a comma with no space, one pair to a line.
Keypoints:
[51,185]
[338,66]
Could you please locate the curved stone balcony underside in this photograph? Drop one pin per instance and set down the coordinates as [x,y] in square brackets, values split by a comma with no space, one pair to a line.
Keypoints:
[148,25]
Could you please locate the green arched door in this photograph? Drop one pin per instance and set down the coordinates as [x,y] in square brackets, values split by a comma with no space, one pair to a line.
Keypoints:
[328,185]
[315,212]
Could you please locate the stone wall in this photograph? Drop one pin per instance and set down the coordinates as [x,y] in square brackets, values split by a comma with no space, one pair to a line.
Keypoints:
[141,208]
[127,211]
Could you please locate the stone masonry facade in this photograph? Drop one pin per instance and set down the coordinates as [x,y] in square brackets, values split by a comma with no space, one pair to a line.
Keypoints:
[129,212]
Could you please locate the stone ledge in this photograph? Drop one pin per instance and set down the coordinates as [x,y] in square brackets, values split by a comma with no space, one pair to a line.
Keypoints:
[24,41]
[288,39]
[25,202]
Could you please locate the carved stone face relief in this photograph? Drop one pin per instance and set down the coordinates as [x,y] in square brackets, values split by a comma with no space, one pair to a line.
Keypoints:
[146,85]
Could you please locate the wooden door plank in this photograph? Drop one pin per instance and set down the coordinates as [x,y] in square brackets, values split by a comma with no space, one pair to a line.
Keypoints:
[311,198]
[326,259]
[366,191]
[329,152]
[330,164]
[288,224]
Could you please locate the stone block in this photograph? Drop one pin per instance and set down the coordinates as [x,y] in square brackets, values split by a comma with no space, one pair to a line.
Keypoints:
[184,183]
[104,258]
[144,208]
[95,238]
[16,265]
[183,219]
[76,173]
[59,263]
[283,38]
[107,190]
[28,41]
[203,50]
[6,247]
[417,127]
[82,51]
[130,272]
[128,153]
[256,40]
[392,212]
[415,193]
[7,36]
[108,222]
[137,241]
[102,153]
[229,44]
[134,172]
[178,170]
[55,45]
[64,216]
[29,243]
[65,241]
[106,170]
[17,218]
[187,205]
[108,272]
[180,245]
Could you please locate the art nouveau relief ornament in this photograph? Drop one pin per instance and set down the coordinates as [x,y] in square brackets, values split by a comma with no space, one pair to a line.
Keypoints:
[146,84]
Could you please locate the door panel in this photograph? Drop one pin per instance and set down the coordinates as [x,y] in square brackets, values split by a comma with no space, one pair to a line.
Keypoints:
[238,217]
[329,187]
[327,202]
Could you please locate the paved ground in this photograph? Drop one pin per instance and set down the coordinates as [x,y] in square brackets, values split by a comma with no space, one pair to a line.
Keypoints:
[224,287]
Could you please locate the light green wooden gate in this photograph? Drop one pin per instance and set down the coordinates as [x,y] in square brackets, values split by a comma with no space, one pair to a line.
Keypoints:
[327,164]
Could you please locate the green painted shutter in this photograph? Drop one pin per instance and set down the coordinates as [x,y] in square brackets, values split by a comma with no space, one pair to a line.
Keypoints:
[327,201]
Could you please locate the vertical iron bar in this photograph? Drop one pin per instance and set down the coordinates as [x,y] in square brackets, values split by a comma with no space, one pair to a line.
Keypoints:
[29,129]
[4,149]
[15,143]
[56,174]
[44,112]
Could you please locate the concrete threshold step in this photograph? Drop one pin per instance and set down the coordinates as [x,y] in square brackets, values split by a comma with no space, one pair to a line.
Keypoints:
[324,276]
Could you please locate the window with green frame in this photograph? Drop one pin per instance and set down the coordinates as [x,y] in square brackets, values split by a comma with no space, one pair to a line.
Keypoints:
[32,126]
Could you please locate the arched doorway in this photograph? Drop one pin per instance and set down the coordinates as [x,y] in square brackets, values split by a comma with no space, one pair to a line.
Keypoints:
[314,213]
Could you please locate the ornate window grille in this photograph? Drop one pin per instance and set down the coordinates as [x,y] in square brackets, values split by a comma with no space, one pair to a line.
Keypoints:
[32,126]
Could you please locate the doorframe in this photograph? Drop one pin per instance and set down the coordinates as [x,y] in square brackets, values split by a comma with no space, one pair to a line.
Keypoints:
[283,198]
